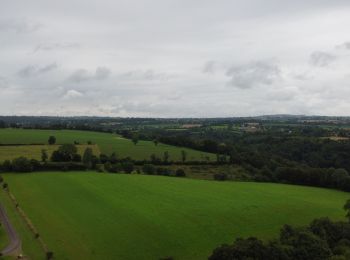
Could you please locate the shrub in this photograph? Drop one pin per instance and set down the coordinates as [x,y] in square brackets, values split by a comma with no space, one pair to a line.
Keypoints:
[103,158]
[127,166]
[220,177]
[180,173]
[163,171]
[7,166]
[49,255]
[21,164]
[148,169]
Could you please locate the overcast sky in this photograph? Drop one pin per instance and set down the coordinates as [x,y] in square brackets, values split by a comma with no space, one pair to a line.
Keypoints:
[174,58]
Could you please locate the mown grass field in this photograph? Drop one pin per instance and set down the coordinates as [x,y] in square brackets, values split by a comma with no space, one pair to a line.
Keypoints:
[116,216]
[34,151]
[107,143]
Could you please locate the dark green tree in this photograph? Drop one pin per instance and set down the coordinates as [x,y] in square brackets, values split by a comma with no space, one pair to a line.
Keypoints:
[52,140]
[166,157]
[21,164]
[183,156]
[44,155]
[347,209]
[135,138]
[88,157]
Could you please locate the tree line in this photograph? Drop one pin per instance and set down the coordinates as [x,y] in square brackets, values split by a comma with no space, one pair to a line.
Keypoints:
[322,239]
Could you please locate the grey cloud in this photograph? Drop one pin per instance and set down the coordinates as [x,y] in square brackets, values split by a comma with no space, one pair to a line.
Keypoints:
[102,73]
[253,74]
[81,75]
[209,67]
[345,45]
[321,59]
[56,46]
[47,68]
[19,26]
[32,70]
[3,82]
[149,75]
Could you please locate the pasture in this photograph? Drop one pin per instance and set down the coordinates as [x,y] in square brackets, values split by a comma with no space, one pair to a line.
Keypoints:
[107,143]
[10,152]
[118,216]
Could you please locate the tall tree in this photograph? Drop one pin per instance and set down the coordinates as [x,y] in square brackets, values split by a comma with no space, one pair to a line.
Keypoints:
[44,155]
[166,156]
[52,140]
[183,156]
[347,208]
[135,138]
[88,157]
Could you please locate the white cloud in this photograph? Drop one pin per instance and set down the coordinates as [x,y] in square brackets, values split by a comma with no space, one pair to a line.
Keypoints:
[72,94]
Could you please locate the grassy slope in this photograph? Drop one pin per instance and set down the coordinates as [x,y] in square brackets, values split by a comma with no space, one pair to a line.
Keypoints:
[108,143]
[101,216]
[34,151]
[30,245]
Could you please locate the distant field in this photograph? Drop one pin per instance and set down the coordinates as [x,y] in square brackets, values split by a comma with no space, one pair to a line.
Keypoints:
[337,138]
[34,151]
[116,216]
[107,143]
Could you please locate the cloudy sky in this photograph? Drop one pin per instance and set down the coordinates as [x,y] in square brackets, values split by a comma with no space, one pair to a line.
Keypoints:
[174,58]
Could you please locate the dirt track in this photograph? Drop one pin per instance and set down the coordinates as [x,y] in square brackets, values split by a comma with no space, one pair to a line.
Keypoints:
[15,245]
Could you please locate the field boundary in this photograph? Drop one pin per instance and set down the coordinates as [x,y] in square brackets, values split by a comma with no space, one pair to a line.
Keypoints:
[29,224]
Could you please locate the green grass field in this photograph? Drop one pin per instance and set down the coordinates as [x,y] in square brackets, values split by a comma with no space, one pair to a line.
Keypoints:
[116,216]
[34,151]
[107,143]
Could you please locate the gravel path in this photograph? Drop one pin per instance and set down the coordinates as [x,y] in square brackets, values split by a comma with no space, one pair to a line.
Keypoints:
[15,245]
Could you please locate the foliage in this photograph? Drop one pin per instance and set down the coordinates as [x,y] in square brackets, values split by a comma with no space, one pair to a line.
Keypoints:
[52,140]
[65,153]
[22,164]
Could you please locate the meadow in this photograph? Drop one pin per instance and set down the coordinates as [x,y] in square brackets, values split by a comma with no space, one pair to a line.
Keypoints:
[107,143]
[11,152]
[118,216]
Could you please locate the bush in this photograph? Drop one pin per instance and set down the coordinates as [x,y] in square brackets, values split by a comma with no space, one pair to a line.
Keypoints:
[163,171]
[220,177]
[76,157]
[103,158]
[180,173]
[36,165]
[127,166]
[65,153]
[21,164]
[49,255]
[114,168]
[7,166]
[64,166]
[148,169]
